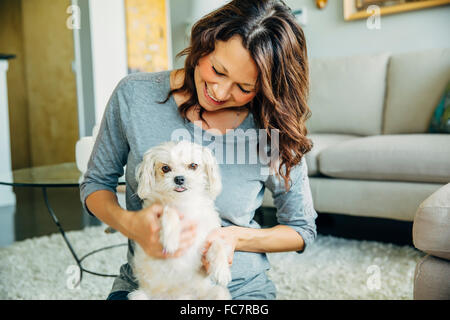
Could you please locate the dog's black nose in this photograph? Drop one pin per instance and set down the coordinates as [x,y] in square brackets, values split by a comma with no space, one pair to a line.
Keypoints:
[179,180]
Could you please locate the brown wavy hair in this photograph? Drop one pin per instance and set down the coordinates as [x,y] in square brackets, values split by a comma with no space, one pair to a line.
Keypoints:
[277,45]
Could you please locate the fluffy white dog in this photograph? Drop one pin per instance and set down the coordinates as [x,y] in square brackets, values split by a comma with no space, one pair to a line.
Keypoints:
[183,176]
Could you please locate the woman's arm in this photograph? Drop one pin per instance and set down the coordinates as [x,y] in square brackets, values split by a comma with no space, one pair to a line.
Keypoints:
[276,239]
[295,207]
[105,206]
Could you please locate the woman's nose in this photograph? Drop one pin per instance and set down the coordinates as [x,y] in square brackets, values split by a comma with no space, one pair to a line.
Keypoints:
[221,91]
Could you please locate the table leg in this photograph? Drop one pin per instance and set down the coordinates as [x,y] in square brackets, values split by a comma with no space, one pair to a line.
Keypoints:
[61,230]
[75,256]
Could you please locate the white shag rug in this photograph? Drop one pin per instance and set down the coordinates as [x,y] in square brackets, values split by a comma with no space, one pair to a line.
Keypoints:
[332,268]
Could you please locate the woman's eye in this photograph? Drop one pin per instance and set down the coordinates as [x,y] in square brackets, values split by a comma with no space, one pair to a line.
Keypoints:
[221,74]
[244,91]
[193,166]
[217,72]
[165,169]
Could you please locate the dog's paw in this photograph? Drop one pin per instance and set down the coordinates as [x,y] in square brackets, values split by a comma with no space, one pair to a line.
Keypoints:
[221,274]
[170,244]
[137,295]
[170,230]
[219,269]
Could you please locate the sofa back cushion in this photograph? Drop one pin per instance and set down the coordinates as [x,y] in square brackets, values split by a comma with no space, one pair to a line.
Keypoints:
[347,94]
[415,84]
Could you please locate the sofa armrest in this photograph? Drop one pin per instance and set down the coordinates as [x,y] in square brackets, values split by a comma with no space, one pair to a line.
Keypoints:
[432,279]
[431,228]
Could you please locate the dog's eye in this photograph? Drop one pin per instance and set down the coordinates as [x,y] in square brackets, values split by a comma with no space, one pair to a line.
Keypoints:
[165,169]
[193,166]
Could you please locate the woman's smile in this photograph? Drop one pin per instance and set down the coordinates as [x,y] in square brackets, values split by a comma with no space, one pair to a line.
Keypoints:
[210,97]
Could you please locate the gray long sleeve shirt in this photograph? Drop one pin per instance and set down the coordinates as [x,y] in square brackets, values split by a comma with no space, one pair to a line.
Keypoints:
[134,122]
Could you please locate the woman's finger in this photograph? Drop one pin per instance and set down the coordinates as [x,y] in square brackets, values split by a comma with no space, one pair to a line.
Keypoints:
[187,239]
[206,246]
[185,245]
[205,264]
[188,234]
[180,214]
[189,224]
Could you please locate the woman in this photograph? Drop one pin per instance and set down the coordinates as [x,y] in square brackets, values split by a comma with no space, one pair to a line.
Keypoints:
[246,68]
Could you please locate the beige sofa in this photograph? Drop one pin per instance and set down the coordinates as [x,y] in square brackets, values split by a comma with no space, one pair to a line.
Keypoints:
[372,155]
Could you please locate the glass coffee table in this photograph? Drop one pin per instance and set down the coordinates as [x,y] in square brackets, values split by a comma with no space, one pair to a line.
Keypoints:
[64,175]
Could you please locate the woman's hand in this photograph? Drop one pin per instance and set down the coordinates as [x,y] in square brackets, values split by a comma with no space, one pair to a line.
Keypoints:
[145,230]
[228,235]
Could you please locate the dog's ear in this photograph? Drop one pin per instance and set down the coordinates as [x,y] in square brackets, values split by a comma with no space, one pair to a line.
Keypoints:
[213,173]
[145,174]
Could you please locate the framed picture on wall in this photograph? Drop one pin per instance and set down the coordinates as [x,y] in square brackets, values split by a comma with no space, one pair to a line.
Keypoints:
[148,35]
[361,9]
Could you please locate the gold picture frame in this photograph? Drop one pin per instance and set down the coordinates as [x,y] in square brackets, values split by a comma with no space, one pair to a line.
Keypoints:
[355,9]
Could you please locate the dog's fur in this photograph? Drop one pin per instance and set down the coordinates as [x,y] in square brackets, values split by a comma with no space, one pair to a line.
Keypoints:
[181,277]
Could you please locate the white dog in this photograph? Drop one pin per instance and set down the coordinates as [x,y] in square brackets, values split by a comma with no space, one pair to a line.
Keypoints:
[183,176]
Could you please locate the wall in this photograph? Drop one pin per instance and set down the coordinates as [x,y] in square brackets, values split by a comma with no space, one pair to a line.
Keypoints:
[41,84]
[327,33]
[52,104]
[179,16]
[109,55]
[83,70]
[11,41]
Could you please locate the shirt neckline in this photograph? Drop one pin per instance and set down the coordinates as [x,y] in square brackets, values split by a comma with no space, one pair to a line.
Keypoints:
[245,124]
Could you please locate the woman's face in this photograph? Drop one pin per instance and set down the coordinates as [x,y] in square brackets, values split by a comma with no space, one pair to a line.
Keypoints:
[226,77]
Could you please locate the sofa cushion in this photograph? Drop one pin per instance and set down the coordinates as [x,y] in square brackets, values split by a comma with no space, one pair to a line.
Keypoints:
[347,94]
[412,157]
[322,141]
[366,198]
[370,198]
[415,82]
[431,228]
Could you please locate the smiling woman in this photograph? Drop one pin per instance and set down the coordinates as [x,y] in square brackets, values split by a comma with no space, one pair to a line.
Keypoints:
[246,68]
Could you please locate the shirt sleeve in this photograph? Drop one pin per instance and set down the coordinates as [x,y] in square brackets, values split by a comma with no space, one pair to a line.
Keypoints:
[295,208]
[110,151]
